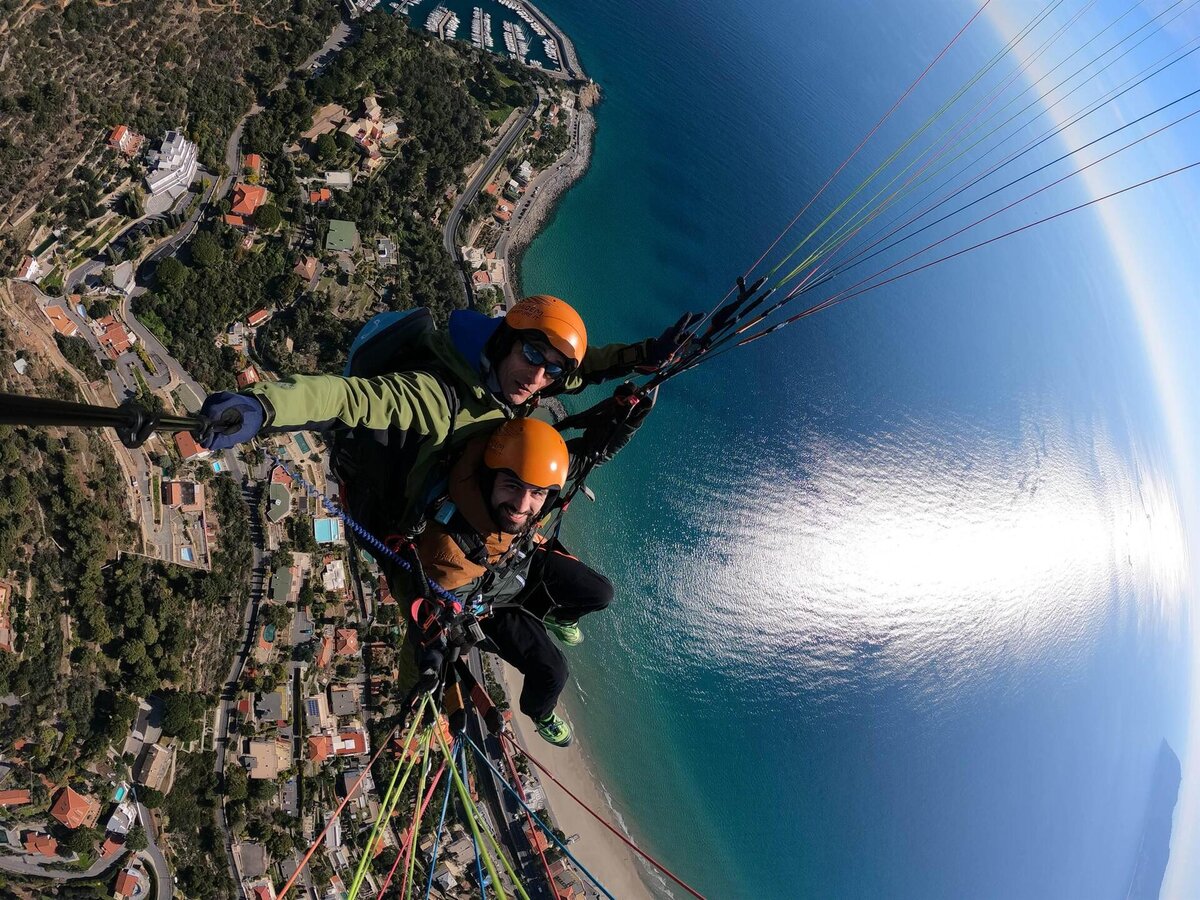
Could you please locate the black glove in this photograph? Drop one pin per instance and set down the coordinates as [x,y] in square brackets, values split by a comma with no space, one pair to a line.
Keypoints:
[612,423]
[233,419]
[663,348]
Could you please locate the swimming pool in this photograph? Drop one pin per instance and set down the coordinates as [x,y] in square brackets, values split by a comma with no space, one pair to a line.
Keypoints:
[327,530]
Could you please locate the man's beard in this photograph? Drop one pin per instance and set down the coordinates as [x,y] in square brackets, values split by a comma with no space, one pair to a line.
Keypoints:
[506,516]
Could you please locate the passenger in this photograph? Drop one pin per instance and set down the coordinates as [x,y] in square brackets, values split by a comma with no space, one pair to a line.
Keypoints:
[482,544]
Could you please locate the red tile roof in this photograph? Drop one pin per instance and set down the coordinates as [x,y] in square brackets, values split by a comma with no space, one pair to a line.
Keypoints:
[118,133]
[235,221]
[481,277]
[15,798]
[325,653]
[114,339]
[257,317]
[247,377]
[324,195]
[253,162]
[111,846]
[126,882]
[41,843]
[347,642]
[72,808]
[351,743]
[320,747]
[247,198]
[188,448]
[306,268]
[58,318]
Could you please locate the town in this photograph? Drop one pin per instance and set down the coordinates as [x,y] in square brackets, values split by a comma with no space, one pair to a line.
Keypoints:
[182,276]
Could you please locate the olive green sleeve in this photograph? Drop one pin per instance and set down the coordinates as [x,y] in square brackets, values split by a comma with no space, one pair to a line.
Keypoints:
[604,364]
[409,401]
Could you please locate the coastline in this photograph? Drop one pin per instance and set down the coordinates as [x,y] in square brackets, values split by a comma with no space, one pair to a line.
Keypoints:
[551,186]
[614,864]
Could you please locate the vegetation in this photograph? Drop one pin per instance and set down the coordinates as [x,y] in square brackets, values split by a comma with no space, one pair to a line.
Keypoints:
[152,66]
[200,851]
[79,354]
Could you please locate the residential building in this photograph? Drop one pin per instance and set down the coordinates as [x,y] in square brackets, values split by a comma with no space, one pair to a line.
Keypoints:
[247,198]
[112,846]
[342,236]
[126,140]
[262,890]
[29,269]
[42,844]
[257,317]
[267,758]
[74,810]
[247,377]
[481,278]
[123,277]
[333,577]
[187,496]
[341,181]
[128,883]
[316,714]
[279,497]
[157,767]
[188,448]
[320,197]
[343,701]
[113,337]
[252,164]
[62,324]
[122,819]
[272,707]
[173,165]
[346,642]
[385,252]
[324,653]
[307,268]
[320,748]
[15,798]
[524,172]
[503,212]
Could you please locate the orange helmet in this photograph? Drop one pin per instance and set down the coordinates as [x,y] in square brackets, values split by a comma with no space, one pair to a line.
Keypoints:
[531,450]
[554,319]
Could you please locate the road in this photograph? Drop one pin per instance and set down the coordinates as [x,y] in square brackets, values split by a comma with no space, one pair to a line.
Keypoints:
[506,812]
[475,185]
[164,882]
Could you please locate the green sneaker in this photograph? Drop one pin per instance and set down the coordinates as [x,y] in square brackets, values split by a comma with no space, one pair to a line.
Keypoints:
[554,728]
[567,632]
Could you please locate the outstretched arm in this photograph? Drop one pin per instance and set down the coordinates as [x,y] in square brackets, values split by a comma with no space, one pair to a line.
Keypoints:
[409,401]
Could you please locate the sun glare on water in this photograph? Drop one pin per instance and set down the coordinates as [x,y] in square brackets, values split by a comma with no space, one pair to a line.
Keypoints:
[936,555]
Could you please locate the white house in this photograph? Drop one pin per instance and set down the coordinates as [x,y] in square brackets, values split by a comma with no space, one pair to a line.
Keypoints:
[173,165]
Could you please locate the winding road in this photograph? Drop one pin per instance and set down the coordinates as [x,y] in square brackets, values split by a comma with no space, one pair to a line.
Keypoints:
[474,186]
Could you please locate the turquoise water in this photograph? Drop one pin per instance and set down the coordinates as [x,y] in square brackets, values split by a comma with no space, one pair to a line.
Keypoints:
[901,598]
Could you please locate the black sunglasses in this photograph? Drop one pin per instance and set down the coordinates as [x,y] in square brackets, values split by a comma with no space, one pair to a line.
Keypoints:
[536,357]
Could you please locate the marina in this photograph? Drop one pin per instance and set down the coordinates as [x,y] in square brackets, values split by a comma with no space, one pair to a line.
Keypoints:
[515,41]
[529,38]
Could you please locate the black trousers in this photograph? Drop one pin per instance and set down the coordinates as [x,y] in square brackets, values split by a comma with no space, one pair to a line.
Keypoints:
[561,586]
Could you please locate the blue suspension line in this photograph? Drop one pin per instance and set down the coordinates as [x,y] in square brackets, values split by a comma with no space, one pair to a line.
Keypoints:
[550,834]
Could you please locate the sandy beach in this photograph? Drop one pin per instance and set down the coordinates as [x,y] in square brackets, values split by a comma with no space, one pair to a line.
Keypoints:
[614,864]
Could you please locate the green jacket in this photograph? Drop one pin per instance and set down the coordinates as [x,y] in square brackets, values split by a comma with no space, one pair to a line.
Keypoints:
[412,408]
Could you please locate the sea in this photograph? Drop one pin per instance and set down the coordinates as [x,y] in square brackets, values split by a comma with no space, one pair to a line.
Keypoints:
[901,589]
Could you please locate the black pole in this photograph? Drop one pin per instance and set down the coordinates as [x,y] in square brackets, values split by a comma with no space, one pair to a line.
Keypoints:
[129,419]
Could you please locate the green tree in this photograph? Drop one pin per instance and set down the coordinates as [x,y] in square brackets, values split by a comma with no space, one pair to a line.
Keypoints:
[171,275]
[327,149]
[136,839]
[267,217]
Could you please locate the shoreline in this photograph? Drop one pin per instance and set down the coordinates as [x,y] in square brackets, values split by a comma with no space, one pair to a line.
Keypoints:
[614,864]
[559,178]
